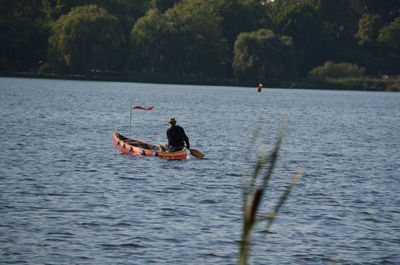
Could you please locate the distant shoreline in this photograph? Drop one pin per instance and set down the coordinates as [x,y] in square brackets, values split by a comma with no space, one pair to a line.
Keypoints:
[357,84]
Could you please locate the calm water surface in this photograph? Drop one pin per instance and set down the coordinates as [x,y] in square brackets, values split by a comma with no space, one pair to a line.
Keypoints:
[67,196]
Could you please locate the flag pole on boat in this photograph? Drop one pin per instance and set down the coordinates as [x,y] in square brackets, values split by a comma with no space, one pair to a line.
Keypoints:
[130,117]
[130,123]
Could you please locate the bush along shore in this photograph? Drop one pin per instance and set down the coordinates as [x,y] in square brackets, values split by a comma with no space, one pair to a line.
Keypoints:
[360,83]
[364,84]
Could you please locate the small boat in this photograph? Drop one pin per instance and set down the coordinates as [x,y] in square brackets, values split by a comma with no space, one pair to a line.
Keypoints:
[139,148]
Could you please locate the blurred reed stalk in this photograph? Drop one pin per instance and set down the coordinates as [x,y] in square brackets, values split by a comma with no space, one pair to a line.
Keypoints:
[254,189]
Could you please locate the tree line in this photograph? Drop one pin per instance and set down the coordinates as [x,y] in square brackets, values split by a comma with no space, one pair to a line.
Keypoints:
[242,39]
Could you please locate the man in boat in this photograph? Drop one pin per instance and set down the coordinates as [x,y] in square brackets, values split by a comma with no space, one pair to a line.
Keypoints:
[177,138]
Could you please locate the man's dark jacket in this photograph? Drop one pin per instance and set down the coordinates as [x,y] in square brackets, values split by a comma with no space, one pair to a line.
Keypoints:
[177,137]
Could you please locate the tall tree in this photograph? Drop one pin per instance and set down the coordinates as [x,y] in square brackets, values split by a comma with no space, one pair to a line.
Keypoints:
[304,23]
[86,38]
[186,39]
[389,40]
[127,11]
[390,36]
[263,56]
[369,26]
[369,54]
[241,16]
[150,43]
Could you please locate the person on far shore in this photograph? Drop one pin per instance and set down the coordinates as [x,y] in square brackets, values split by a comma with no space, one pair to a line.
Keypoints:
[177,138]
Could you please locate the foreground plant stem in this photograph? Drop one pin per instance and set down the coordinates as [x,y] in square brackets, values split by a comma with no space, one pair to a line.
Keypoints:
[253,195]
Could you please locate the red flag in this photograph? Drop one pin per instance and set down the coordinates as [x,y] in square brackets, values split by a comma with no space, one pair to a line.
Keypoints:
[139,107]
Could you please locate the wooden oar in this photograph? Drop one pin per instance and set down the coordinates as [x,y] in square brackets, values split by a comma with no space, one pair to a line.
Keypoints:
[196,153]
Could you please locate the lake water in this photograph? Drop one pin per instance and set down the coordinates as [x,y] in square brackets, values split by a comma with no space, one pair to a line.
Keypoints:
[67,196]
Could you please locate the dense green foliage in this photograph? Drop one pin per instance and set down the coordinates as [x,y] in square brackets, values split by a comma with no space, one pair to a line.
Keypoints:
[336,70]
[389,38]
[180,41]
[87,38]
[263,41]
[263,55]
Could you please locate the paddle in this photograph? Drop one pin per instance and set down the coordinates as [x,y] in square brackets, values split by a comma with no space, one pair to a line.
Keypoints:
[196,153]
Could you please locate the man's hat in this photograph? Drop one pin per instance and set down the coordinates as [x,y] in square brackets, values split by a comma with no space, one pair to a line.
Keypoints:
[171,120]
